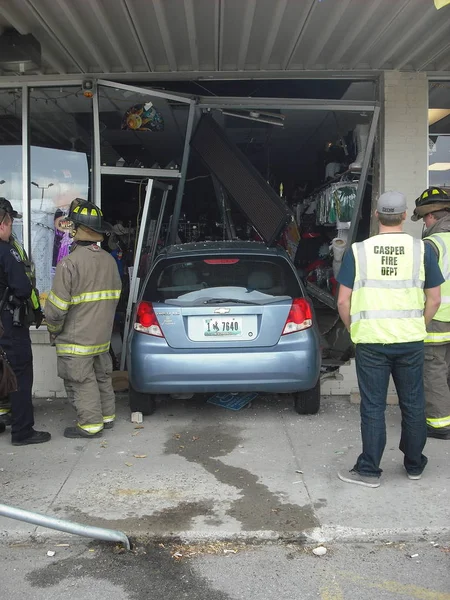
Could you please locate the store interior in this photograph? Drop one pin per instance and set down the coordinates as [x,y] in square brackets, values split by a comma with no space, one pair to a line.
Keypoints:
[310,158]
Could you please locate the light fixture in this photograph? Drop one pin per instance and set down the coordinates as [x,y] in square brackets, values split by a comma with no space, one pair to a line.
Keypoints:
[87,87]
[439,167]
[258,116]
[437,114]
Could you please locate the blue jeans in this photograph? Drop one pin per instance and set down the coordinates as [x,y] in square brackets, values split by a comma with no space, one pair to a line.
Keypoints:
[374,364]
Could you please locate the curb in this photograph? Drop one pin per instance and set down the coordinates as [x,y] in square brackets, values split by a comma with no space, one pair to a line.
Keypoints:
[320,535]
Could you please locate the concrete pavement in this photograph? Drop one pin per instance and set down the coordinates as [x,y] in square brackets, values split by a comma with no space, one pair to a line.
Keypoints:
[195,471]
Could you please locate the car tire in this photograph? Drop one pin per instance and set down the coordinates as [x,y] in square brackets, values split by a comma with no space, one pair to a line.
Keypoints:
[143,403]
[308,402]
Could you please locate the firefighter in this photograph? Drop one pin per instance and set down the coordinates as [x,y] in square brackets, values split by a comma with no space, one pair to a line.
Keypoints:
[15,292]
[80,311]
[433,206]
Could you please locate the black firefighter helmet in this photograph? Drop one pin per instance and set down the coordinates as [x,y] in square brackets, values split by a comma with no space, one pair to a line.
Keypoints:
[89,215]
[431,200]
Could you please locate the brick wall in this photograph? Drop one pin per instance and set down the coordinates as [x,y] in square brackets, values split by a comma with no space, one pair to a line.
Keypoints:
[404,137]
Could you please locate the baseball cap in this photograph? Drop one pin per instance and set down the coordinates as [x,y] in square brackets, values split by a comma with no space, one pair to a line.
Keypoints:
[7,207]
[391,203]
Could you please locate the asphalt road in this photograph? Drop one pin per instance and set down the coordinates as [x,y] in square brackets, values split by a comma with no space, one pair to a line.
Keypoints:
[225,571]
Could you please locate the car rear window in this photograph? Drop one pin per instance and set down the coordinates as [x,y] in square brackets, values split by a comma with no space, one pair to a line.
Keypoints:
[172,278]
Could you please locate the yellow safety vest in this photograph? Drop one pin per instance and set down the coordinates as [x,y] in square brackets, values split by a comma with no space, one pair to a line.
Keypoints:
[29,269]
[387,302]
[442,242]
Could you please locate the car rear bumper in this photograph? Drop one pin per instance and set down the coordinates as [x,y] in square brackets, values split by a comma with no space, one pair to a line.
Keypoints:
[290,366]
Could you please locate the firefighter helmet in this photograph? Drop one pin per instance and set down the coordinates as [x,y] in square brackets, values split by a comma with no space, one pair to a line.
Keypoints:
[89,215]
[431,200]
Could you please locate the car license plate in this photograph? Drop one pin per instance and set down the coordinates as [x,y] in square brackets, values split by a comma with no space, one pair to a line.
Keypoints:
[222,326]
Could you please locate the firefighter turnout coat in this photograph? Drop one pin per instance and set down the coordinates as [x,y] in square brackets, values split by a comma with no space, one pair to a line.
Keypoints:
[81,306]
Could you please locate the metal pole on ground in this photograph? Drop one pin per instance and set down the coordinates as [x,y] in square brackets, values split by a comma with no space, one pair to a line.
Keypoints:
[96,533]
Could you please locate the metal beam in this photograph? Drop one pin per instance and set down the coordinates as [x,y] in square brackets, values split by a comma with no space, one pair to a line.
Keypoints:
[400,41]
[96,192]
[26,172]
[23,28]
[419,48]
[373,39]
[192,32]
[78,26]
[303,22]
[354,31]
[165,34]
[286,104]
[363,179]
[250,7]
[184,166]
[143,90]
[111,35]
[219,10]
[148,77]
[280,8]
[136,172]
[137,33]
[325,34]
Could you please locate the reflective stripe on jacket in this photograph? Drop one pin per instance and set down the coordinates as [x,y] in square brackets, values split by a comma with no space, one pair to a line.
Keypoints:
[387,302]
[29,270]
[442,243]
[81,305]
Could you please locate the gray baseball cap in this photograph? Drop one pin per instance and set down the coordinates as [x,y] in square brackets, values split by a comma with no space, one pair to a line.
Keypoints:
[391,203]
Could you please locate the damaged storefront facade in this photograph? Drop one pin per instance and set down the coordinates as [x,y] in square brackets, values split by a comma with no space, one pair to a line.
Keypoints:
[107,105]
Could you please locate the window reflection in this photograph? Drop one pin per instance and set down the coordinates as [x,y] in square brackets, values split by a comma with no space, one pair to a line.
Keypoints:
[439,134]
[60,160]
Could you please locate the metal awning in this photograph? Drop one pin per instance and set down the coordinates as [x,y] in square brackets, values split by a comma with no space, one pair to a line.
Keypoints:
[182,39]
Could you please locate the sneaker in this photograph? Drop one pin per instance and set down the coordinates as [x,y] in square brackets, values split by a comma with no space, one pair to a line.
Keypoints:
[77,432]
[37,437]
[414,476]
[355,477]
[108,425]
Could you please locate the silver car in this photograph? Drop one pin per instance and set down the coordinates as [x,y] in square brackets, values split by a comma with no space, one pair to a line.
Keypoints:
[223,317]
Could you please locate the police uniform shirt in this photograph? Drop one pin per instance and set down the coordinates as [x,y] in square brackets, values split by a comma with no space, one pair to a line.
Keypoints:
[12,273]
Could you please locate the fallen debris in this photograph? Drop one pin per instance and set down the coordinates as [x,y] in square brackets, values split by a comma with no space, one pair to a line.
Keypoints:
[137,417]
[51,553]
[320,551]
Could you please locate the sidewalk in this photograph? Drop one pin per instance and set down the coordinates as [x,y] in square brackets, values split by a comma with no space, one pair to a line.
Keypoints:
[197,471]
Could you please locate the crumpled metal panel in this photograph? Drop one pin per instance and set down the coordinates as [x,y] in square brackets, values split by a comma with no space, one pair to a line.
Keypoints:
[257,200]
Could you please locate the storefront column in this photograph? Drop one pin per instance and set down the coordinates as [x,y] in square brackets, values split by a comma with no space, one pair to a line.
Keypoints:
[404,138]
[403,158]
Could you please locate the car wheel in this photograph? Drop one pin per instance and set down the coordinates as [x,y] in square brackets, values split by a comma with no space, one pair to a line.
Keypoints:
[143,403]
[308,402]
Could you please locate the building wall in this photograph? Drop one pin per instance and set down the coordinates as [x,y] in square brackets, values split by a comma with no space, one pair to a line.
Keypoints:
[403,149]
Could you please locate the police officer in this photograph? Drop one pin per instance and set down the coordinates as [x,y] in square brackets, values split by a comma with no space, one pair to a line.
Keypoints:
[15,291]
[389,292]
[433,206]
[80,312]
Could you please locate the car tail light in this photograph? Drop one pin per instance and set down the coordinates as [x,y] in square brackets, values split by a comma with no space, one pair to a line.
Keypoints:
[299,317]
[146,320]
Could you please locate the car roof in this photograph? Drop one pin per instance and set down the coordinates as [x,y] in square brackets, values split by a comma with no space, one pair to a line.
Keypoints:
[242,247]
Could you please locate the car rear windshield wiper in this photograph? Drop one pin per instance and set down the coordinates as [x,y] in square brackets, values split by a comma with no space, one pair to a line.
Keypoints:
[227,301]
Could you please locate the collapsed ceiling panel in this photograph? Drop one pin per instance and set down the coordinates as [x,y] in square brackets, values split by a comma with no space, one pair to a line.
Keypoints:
[261,205]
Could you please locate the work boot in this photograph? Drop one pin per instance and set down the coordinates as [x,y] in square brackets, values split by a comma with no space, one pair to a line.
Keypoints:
[6,419]
[77,432]
[36,437]
[108,425]
[438,434]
